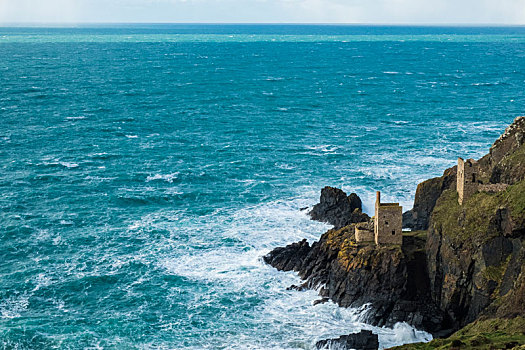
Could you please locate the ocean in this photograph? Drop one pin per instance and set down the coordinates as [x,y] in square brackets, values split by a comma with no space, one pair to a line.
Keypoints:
[146,169]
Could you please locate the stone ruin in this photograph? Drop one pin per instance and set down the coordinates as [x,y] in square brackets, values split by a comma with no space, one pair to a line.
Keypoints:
[468,182]
[386,227]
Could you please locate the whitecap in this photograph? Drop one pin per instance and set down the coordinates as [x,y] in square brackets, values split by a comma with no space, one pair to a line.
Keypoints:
[69,164]
[80,117]
[14,306]
[163,177]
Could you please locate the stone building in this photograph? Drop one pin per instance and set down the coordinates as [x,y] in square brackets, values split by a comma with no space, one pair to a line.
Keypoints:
[388,224]
[467,179]
[364,232]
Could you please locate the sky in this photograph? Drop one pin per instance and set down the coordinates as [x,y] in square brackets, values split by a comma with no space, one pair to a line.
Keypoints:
[508,12]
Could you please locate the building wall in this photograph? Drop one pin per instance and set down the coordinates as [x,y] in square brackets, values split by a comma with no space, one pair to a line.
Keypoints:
[364,235]
[388,228]
[467,182]
[493,188]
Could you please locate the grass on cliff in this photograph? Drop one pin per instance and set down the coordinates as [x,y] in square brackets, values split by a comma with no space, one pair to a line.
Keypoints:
[482,334]
[472,220]
[514,164]
[351,255]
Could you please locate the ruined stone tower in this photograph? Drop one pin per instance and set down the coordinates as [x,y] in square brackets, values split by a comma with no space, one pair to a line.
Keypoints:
[467,179]
[388,224]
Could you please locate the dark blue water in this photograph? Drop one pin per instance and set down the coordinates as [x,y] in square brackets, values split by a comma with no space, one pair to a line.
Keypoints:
[146,169]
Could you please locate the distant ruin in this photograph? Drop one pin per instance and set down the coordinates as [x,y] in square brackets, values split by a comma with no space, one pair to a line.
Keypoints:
[469,183]
[386,227]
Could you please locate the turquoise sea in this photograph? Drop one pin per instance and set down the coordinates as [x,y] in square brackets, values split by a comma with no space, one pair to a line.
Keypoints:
[145,169]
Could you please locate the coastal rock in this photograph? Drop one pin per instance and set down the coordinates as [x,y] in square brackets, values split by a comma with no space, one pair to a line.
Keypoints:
[505,164]
[288,258]
[461,266]
[427,193]
[475,251]
[338,209]
[364,340]
[393,281]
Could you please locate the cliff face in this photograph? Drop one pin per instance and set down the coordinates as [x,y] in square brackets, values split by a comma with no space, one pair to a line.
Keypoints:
[466,262]
[475,252]
[392,279]
[427,194]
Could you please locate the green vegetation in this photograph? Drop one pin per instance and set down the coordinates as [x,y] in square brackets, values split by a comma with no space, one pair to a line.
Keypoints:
[334,239]
[514,196]
[495,273]
[350,255]
[473,219]
[416,234]
[482,334]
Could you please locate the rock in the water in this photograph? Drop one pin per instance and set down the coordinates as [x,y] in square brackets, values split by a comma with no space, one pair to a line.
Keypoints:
[288,258]
[364,340]
[467,263]
[338,209]
[321,301]
[392,280]
[299,288]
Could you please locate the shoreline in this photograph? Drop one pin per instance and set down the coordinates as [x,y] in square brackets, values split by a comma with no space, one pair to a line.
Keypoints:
[457,266]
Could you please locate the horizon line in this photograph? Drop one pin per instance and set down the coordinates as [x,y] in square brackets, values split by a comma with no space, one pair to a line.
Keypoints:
[70,24]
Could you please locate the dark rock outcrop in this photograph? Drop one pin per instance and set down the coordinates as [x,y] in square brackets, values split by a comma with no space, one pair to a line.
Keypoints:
[392,280]
[364,340]
[467,263]
[338,209]
[288,258]
[475,251]
[427,193]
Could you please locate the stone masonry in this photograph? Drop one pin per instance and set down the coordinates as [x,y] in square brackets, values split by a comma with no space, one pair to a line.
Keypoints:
[467,181]
[364,232]
[388,222]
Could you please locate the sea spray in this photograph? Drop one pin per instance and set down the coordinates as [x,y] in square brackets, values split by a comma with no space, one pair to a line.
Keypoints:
[142,182]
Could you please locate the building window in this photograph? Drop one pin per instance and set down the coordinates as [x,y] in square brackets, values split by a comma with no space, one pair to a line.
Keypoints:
[386,223]
[473,178]
[393,232]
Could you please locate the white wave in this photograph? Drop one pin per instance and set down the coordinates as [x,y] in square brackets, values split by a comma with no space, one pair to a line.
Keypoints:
[69,164]
[80,117]
[402,333]
[223,251]
[284,166]
[14,306]
[164,177]
[324,148]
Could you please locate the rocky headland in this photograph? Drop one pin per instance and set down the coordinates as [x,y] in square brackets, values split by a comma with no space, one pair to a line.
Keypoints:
[459,274]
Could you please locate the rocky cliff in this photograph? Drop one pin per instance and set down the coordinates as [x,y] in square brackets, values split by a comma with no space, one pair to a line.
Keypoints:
[393,280]
[461,264]
[338,209]
[476,252]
